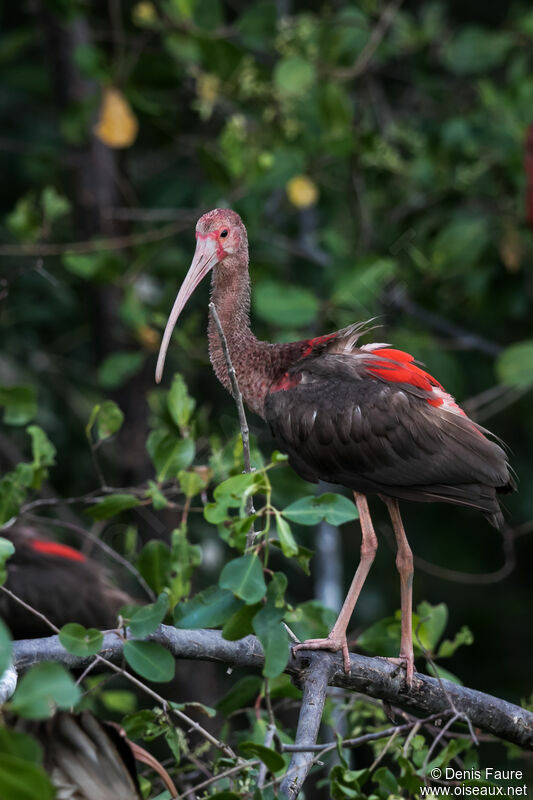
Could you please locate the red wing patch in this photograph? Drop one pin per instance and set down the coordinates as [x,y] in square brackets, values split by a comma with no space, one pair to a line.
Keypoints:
[312,343]
[286,382]
[56,549]
[401,369]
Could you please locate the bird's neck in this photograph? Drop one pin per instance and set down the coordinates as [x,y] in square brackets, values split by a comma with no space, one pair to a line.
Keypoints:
[256,363]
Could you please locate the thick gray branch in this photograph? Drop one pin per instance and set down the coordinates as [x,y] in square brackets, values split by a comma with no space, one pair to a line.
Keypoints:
[375,677]
[315,686]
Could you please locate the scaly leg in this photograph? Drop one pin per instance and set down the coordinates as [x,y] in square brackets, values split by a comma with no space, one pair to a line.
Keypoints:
[404,564]
[369,544]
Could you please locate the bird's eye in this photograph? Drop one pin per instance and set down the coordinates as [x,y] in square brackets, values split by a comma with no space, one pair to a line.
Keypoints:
[223,234]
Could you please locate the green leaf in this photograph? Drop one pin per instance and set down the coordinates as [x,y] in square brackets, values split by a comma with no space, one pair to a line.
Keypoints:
[437,671]
[146,619]
[13,490]
[111,506]
[20,404]
[386,780]
[159,501]
[240,623]
[5,648]
[285,305]
[382,638]
[169,453]
[272,634]
[432,623]
[109,420]
[274,640]
[459,245]
[7,549]
[42,689]
[54,205]
[154,564]
[293,76]
[179,402]
[119,701]
[515,365]
[21,780]
[24,220]
[271,758]
[334,508]
[150,660]
[83,265]
[475,50]
[244,577]
[80,641]
[288,544]
[16,743]
[311,620]
[118,367]
[43,452]
[185,558]
[241,694]
[448,648]
[234,491]
[192,483]
[207,609]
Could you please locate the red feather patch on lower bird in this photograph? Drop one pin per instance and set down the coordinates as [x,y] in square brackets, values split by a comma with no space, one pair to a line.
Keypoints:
[56,549]
[286,382]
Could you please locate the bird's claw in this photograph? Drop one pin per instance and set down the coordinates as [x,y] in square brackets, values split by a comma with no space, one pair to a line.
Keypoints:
[332,643]
[407,662]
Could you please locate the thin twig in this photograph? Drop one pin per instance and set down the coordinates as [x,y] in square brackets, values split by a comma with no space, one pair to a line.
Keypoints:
[269,734]
[364,739]
[215,778]
[92,245]
[243,423]
[99,543]
[367,53]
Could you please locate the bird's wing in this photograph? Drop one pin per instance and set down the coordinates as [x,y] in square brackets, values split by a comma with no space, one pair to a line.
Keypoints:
[372,419]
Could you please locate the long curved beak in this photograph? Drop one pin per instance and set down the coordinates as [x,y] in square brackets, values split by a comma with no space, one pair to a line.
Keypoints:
[205,258]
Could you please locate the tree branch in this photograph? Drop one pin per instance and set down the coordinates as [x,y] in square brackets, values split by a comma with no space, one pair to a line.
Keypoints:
[316,682]
[375,677]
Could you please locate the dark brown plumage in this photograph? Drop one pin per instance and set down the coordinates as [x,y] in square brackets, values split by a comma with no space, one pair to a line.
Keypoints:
[366,417]
[85,758]
[60,582]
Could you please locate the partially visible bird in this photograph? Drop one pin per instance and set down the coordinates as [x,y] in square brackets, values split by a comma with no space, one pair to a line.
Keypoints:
[60,582]
[85,758]
[367,417]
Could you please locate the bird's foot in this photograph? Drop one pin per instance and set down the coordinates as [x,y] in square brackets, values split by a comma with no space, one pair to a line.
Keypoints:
[408,662]
[333,643]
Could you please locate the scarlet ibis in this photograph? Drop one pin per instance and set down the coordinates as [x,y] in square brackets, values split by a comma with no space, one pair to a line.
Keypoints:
[366,417]
[60,582]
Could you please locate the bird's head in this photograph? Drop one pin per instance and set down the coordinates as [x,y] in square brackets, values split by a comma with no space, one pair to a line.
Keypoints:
[219,233]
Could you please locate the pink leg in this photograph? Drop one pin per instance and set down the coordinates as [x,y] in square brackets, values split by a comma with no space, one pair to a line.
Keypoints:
[404,564]
[337,637]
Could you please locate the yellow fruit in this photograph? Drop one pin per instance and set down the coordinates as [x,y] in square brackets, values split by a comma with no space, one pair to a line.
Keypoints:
[144,13]
[117,125]
[302,191]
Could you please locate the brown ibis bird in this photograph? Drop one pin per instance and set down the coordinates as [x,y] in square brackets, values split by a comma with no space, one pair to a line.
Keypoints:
[367,416]
[84,757]
[59,581]
[88,758]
